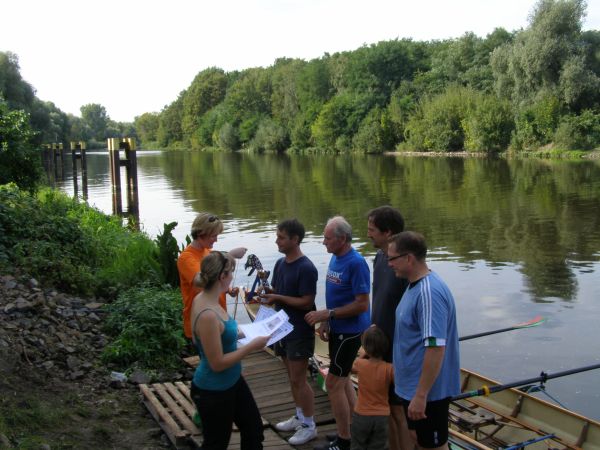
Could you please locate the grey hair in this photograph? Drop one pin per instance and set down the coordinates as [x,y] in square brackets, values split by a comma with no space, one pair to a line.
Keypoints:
[341,228]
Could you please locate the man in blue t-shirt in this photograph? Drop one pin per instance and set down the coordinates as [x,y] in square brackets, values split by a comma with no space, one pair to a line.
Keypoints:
[426,358]
[347,315]
[294,285]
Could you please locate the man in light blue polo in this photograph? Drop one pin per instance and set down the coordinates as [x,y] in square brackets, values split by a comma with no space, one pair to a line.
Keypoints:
[426,358]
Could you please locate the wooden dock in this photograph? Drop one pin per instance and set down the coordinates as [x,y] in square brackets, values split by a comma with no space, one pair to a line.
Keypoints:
[172,408]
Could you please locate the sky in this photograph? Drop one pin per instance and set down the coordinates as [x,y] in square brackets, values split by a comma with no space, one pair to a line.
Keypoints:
[134,56]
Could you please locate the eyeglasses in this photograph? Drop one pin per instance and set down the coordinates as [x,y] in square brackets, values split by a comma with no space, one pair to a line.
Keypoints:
[211,219]
[398,256]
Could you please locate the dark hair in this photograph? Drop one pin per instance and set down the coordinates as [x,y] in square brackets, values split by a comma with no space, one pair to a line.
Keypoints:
[375,342]
[292,227]
[410,242]
[386,218]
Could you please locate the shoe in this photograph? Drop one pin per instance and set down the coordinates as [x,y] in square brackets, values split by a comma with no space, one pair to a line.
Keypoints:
[334,445]
[303,434]
[331,437]
[289,425]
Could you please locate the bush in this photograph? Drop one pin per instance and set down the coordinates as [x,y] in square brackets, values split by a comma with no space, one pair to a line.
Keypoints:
[489,126]
[147,326]
[20,163]
[72,246]
[437,125]
[580,132]
[270,137]
[536,124]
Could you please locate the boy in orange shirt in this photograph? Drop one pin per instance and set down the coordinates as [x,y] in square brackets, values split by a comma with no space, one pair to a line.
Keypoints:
[369,427]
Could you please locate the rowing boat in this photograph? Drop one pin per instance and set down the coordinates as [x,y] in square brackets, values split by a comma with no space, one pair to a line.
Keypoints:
[508,419]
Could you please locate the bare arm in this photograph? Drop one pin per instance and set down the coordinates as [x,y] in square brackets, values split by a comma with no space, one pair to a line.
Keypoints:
[209,329]
[305,302]
[358,306]
[432,363]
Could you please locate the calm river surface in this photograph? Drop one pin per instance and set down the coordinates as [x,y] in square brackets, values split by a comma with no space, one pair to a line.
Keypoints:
[513,239]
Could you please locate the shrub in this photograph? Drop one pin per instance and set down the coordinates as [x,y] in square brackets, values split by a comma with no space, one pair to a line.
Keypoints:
[72,246]
[20,163]
[147,325]
[437,125]
[580,132]
[535,124]
[488,127]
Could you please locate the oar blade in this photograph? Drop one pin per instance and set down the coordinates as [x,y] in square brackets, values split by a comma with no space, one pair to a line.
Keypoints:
[537,320]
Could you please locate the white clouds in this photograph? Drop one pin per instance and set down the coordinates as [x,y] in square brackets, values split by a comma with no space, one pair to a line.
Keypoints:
[136,56]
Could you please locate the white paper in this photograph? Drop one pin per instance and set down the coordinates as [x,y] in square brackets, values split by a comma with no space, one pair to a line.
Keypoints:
[275,324]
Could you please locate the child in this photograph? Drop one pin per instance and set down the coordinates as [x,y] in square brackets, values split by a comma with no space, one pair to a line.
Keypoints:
[369,427]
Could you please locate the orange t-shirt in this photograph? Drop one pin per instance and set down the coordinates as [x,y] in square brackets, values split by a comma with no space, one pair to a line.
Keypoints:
[374,379]
[188,265]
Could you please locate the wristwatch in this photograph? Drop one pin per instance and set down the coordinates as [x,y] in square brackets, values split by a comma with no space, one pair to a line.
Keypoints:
[332,314]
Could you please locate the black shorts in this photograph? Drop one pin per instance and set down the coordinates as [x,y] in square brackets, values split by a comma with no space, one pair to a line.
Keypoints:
[393,398]
[295,349]
[433,431]
[343,349]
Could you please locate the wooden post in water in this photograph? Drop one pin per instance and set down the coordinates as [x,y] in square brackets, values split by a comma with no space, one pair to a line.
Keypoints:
[48,163]
[78,152]
[57,153]
[130,163]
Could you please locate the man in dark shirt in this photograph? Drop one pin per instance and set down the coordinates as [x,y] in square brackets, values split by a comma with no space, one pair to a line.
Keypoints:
[384,222]
[295,285]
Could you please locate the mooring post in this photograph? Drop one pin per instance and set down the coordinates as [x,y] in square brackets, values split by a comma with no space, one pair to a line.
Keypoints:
[78,152]
[131,169]
[115,174]
[48,162]
[57,152]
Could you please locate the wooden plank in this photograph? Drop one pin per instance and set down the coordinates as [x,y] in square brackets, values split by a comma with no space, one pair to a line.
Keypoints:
[176,435]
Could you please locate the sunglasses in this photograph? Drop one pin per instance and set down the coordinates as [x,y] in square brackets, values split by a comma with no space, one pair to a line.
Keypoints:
[211,219]
[398,256]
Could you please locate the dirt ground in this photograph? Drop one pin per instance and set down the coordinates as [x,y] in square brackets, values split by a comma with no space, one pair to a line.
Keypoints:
[54,391]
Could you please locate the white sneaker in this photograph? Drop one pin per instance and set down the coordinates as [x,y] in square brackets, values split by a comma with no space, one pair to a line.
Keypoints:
[289,425]
[303,434]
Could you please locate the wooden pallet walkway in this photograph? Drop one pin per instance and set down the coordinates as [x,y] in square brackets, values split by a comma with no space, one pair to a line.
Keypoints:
[172,408]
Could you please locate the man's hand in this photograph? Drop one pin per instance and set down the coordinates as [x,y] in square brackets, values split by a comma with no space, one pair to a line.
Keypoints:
[323,331]
[416,408]
[268,299]
[233,291]
[314,317]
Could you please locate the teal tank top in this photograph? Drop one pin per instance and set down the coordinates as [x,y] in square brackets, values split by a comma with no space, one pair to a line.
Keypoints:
[205,377]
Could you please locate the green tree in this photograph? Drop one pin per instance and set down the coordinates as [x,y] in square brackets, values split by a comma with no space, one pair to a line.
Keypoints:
[169,123]
[19,161]
[534,64]
[17,93]
[96,119]
[146,127]
[206,91]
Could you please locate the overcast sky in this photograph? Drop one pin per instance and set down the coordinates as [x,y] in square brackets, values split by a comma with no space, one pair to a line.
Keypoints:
[137,56]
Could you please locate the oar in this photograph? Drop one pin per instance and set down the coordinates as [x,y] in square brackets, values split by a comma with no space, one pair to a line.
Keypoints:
[486,390]
[532,323]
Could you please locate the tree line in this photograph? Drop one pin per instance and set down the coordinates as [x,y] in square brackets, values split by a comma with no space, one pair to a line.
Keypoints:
[520,90]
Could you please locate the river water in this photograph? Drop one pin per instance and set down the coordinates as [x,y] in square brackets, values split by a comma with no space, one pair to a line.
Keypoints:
[512,238]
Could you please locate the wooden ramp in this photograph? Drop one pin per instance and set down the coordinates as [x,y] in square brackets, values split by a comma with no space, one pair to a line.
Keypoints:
[172,408]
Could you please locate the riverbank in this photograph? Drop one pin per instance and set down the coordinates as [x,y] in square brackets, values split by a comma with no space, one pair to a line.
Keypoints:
[55,393]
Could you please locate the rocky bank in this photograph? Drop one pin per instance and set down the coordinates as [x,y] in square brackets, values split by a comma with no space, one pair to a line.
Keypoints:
[50,346]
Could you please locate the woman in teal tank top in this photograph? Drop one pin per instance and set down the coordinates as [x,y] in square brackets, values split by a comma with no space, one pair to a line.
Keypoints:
[219,391]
